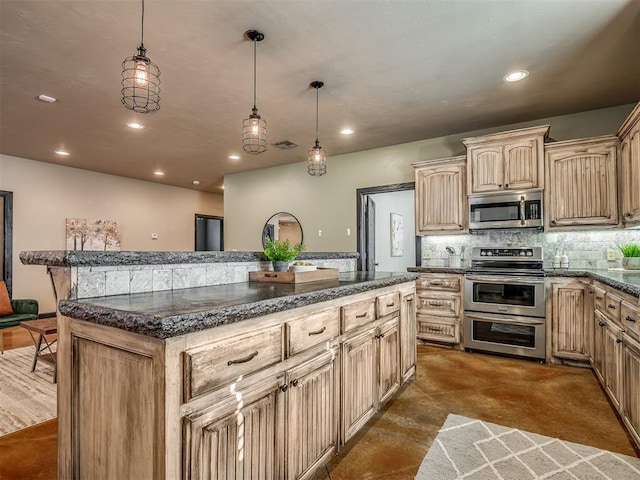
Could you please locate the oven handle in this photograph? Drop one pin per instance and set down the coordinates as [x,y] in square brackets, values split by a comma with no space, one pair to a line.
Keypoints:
[522,212]
[504,278]
[515,320]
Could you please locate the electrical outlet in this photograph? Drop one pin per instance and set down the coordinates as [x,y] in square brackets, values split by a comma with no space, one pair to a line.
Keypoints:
[611,254]
[426,254]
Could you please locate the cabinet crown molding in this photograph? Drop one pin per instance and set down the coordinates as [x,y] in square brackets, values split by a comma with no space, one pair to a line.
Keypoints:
[440,161]
[508,135]
[633,117]
[601,141]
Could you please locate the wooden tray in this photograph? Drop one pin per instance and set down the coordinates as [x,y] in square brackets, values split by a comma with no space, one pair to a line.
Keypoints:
[294,277]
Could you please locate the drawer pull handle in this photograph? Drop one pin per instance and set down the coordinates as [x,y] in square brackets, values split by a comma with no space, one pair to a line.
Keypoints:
[436,283]
[618,340]
[391,304]
[598,298]
[294,382]
[284,387]
[318,332]
[601,324]
[630,319]
[612,307]
[362,315]
[243,360]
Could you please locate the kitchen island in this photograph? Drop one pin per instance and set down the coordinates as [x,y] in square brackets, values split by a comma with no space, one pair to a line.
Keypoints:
[241,380]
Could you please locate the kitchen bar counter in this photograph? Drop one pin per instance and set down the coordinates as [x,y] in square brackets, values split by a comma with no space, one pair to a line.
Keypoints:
[627,281]
[166,314]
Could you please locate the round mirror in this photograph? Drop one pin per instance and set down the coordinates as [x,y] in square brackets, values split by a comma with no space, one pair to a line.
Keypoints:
[283,226]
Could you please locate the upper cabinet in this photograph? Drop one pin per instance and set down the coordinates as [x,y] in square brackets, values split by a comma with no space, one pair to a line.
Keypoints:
[581,178]
[441,197]
[510,160]
[629,135]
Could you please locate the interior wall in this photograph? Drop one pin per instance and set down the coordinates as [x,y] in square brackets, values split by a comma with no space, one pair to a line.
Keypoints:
[44,195]
[326,205]
[402,203]
[1,240]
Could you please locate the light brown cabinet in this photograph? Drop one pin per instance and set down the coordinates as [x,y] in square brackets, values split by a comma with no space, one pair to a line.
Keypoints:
[608,357]
[631,386]
[439,308]
[581,179]
[510,160]
[568,321]
[629,135]
[271,397]
[441,196]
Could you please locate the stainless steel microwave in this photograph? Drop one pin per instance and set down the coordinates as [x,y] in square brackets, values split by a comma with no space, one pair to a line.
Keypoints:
[506,210]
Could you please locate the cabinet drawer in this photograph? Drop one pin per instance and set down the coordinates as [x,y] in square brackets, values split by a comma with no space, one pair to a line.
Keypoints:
[388,303]
[598,299]
[357,314]
[440,329]
[444,283]
[312,330]
[211,366]
[439,306]
[630,319]
[612,307]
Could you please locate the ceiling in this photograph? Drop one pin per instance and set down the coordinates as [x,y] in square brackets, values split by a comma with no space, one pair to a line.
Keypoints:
[395,71]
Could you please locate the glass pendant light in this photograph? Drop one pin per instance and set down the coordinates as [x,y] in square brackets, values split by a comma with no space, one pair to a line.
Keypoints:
[254,127]
[317,157]
[141,80]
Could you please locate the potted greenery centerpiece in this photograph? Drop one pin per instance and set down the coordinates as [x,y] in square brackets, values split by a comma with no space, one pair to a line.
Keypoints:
[631,254]
[281,253]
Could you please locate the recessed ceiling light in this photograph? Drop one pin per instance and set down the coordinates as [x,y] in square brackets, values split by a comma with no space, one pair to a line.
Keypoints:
[347,131]
[158,173]
[46,98]
[64,153]
[516,76]
[234,157]
[135,125]
[196,182]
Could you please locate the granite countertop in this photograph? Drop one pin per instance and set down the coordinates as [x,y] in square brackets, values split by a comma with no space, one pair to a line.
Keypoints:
[80,258]
[627,281]
[171,313]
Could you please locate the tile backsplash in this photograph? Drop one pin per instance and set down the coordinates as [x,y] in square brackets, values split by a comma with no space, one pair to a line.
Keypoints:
[585,249]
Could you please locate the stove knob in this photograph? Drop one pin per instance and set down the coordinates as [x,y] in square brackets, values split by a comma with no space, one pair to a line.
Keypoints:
[523,253]
[489,253]
[529,253]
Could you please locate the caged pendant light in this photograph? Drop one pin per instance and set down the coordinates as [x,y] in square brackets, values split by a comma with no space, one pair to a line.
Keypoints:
[141,80]
[254,127]
[317,157]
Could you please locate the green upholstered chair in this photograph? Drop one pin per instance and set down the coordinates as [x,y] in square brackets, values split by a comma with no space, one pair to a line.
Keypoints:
[23,310]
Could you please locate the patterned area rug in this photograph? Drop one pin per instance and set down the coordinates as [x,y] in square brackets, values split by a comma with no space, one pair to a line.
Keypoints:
[471,449]
[26,398]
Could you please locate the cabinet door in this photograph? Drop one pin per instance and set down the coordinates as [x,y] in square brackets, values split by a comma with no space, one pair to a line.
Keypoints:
[408,333]
[312,426]
[238,439]
[582,186]
[612,374]
[522,166]
[630,184]
[358,382]
[441,199]
[568,320]
[631,387]
[486,169]
[589,324]
[388,359]
[599,338]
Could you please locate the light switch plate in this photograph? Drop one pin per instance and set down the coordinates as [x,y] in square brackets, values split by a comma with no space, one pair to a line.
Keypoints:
[611,254]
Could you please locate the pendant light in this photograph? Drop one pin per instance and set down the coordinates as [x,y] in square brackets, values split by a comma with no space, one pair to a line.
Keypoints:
[141,80]
[254,127]
[317,157]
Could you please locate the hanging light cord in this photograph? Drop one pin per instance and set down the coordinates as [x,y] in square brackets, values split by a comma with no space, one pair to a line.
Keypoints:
[317,93]
[254,76]
[142,29]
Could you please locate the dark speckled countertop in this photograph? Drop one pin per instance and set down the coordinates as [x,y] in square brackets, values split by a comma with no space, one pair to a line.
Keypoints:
[627,281]
[177,312]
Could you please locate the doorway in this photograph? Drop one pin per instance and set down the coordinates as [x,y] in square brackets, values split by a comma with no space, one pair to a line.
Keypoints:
[375,206]
[6,238]
[209,233]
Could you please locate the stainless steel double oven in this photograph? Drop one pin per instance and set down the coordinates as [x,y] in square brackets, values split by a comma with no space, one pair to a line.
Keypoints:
[504,302]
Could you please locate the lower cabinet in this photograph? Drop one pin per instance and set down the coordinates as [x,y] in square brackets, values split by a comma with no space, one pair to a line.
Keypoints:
[608,357]
[439,308]
[370,373]
[568,319]
[408,332]
[631,386]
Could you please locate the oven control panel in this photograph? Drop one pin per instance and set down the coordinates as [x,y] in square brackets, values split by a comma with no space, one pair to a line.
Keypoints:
[529,253]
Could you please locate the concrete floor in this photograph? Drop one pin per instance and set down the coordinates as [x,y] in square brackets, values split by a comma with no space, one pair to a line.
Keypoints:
[563,402]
